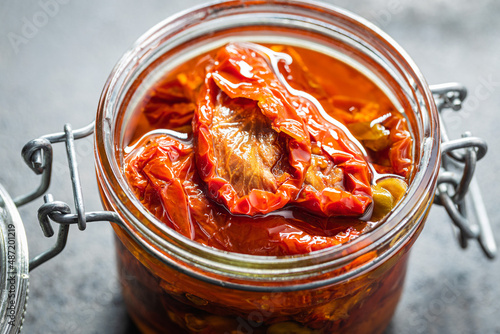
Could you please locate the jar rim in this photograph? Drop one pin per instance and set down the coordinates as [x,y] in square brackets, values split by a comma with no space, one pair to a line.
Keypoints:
[163,242]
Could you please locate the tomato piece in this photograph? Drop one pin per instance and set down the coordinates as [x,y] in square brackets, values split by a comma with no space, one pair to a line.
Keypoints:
[231,151]
[400,148]
[248,150]
[325,191]
[155,173]
[171,103]
[245,72]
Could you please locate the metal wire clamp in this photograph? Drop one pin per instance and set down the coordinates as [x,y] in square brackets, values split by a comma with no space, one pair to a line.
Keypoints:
[37,154]
[457,189]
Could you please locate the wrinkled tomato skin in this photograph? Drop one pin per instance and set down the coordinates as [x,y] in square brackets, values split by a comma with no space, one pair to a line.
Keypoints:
[290,114]
[274,106]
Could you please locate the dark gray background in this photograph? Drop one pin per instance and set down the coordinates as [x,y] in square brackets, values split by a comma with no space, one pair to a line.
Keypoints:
[56,76]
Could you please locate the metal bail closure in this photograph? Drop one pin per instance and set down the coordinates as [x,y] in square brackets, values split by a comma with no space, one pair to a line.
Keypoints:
[457,189]
[37,154]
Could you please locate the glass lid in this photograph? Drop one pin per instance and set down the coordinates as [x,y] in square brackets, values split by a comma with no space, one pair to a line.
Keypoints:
[14,266]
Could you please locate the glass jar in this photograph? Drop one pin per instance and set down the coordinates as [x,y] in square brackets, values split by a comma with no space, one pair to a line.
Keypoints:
[172,284]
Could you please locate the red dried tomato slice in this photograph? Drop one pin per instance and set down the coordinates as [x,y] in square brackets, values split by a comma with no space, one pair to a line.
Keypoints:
[400,148]
[245,71]
[171,102]
[231,149]
[338,181]
[157,173]
[382,131]
[167,108]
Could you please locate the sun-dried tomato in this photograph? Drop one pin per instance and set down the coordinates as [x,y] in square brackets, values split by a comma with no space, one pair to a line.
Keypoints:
[243,88]
[157,173]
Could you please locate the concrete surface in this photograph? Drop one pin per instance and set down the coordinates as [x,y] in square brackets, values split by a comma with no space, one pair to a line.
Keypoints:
[55,75]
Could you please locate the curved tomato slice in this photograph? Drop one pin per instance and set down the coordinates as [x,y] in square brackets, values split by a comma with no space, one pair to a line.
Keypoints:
[400,148]
[169,102]
[252,147]
[245,72]
[328,187]
[156,173]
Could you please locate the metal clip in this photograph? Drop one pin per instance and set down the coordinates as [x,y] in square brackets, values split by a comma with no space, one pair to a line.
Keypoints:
[38,156]
[457,189]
